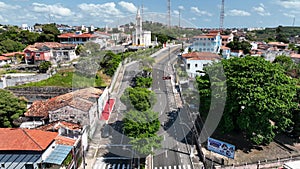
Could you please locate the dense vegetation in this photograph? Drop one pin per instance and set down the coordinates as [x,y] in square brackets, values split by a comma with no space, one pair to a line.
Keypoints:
[13,39]
[11,108]
[260,97]
[274,34]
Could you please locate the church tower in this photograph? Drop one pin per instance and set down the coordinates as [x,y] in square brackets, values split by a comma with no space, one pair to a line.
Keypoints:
[139,29]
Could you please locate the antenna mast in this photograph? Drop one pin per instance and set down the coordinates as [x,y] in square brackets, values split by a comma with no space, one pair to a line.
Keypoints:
[169,13]
[222,16]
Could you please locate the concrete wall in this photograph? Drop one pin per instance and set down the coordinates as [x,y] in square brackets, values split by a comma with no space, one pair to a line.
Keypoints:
[18,79]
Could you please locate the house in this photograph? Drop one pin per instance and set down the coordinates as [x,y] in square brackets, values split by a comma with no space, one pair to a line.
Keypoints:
[50,51]
[194,62]
[84,106]
[15,57]
[278,45]
[226,52]
[237,53]
[226,39]
[24,148]
[210,42]
[76,38]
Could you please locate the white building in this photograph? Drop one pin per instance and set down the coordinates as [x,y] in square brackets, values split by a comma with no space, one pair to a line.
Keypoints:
[140,37]
[195,62]
[210,42]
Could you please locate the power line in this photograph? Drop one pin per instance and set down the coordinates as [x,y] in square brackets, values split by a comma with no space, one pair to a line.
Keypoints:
[169,13]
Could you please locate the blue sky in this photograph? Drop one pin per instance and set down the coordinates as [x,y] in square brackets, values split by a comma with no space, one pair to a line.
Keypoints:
[194,13]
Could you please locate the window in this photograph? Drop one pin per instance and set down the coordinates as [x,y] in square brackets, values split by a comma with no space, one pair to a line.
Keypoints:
[205,65]
[200,38]
[3,165]
[37,55]
[188,66]
[196,65]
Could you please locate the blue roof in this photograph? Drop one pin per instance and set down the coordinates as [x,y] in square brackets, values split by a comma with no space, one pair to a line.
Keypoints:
[59,154]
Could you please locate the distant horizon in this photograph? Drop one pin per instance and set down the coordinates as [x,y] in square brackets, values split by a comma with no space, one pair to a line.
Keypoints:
[193,13]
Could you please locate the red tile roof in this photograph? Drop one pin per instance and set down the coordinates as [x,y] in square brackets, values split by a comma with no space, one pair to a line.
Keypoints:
[294,55]
[4,58]
[277,44]
[51,45]
[73,35]
[225,47]
[201,56]
[25,139]
[13,54]
[65,141]
[54,126]
[80,99]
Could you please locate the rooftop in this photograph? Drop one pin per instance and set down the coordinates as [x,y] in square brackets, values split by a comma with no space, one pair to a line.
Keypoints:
[82,99]
[201,56]
[54,126]
[25,139]
[74,35]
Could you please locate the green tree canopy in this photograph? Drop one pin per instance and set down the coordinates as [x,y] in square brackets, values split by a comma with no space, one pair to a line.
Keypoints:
[139,98]
[11,107]
[237,45]
[259,97]
[142,127]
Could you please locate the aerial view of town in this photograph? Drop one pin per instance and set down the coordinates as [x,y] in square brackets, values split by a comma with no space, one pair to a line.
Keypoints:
[136,84]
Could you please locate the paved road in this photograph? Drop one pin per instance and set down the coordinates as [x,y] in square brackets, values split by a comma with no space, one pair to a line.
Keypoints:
[175,152]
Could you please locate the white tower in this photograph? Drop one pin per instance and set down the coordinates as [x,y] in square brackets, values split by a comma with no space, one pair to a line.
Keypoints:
[138,29]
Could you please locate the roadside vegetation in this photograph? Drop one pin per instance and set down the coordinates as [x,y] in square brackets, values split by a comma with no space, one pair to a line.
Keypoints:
[260,101]
[141,123]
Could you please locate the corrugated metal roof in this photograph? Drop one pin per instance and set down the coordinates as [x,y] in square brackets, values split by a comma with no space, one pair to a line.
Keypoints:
[59,154]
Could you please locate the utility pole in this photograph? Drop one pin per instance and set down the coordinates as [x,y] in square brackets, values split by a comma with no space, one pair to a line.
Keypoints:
[179,18]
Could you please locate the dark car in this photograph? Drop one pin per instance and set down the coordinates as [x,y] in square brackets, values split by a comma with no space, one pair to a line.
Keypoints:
[105,131]
[166,77]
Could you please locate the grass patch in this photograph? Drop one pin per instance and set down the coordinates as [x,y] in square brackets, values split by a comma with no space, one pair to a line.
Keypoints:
[68,79]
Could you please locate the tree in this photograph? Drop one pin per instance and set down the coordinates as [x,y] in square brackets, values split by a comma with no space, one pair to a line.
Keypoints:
[259,97]
[44,66]
[142,127]
[285,61]
[11,108]
[139,98]
[236,45]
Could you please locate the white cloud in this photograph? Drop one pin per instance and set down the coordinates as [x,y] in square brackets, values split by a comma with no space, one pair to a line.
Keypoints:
[181,7]
[199,12]
[261,10]
[236,12]
[193,19]
[289,15]
[100,10]
[176,12]
[56,10]
[128,6]
[4,6]
[289,3]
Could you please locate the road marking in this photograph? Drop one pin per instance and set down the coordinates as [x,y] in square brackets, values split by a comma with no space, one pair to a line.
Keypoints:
[165,167]
[113,167]
[189,167]
[164,138]
[170,167]
[127,165]
[166,153]
[184,167]
[174,166]
[118,166]
[123,166]
[160,167]
[179,167]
